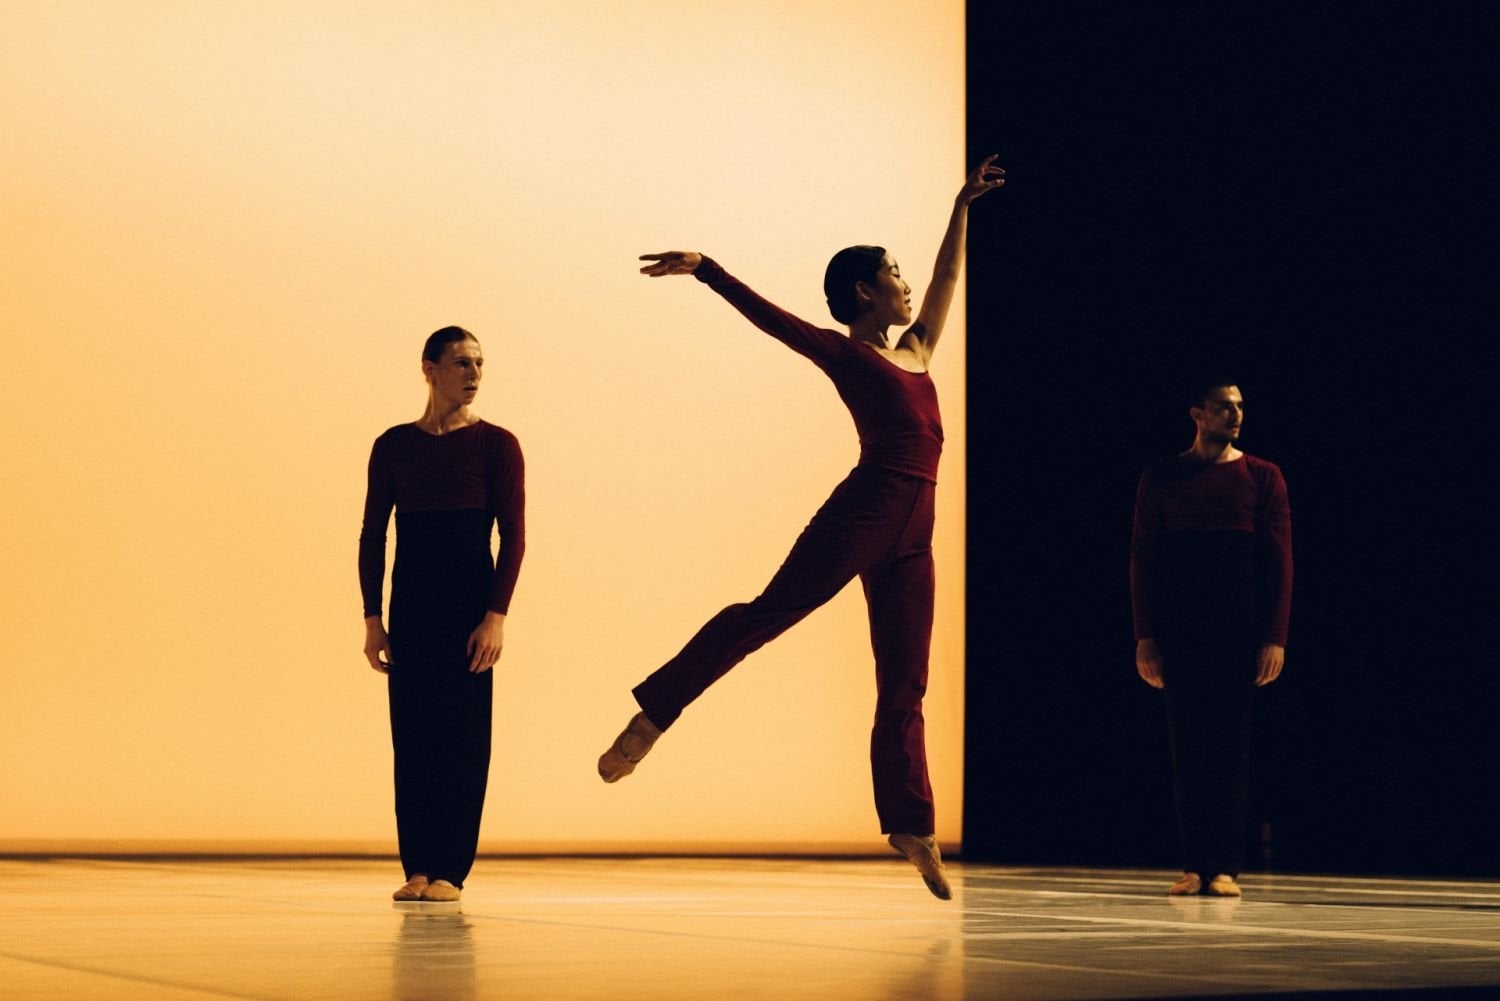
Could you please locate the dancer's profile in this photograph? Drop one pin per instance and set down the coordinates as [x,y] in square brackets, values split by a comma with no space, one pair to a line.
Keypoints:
[877,525]
[451,477]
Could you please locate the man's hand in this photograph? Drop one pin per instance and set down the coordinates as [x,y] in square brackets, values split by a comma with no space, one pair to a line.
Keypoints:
[485,642]
[1148,663]
[376,644]
[1268,664]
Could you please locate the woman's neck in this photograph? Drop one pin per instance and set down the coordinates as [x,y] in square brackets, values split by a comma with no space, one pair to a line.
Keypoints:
[867,331]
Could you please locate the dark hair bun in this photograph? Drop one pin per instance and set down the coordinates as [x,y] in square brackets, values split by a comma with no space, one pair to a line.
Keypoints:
[849,266]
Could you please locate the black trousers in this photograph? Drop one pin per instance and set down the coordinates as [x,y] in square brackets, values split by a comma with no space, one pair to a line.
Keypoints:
[1207,634]
[440,712]
[1209,701]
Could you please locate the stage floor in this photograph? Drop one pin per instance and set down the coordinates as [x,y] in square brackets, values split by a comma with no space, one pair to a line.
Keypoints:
[663,929]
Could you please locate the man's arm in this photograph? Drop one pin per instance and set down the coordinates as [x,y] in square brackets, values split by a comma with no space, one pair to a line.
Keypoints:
[1145,527]
[380,498]
[1273,532]
[505,471]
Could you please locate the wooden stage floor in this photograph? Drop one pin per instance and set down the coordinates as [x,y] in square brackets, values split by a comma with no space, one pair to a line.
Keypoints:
[662,929]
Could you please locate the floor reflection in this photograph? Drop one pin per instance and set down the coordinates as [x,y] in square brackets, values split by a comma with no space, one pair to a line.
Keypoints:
[433,957]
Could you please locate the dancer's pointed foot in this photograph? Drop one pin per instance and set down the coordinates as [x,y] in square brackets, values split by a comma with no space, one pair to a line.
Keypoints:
[1223,885]
[923,853]
[1188,886]
[628,749]
[412,888]
[440,891]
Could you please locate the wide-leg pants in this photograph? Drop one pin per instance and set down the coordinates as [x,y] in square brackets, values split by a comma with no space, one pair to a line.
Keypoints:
[1209,721]
[1208,644]
[877,526]
[440,712]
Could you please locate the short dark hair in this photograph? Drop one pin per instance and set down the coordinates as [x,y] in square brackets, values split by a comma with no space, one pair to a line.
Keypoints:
[1205,385]
[439,340]
[852,264]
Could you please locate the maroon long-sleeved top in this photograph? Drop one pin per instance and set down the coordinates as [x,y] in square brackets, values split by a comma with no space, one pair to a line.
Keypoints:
[895,411]
[1181,495]
[478,467]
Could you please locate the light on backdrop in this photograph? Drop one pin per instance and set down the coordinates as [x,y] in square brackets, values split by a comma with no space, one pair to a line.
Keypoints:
[227,231]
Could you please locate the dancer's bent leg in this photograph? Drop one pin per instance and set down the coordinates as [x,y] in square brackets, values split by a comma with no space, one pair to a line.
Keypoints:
[852,530]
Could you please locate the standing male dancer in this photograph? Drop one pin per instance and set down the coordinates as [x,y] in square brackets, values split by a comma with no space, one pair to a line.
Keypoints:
[1211,590]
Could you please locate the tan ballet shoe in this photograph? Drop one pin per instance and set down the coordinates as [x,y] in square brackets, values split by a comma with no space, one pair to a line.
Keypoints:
[923,853]
[628,749]
[1188,886]
[1223,885]
[440,891]
[411,889]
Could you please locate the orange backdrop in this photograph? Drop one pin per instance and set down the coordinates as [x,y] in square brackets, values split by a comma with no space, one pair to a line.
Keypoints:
[228,228]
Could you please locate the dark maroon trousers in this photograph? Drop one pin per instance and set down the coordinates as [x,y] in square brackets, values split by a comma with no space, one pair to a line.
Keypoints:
[877,526]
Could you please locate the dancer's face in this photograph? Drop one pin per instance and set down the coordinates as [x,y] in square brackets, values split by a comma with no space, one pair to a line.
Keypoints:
[889,295]
[1220,416]
[455,376]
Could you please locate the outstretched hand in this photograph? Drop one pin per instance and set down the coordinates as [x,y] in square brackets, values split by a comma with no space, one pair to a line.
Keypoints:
[672,262]
[985,178]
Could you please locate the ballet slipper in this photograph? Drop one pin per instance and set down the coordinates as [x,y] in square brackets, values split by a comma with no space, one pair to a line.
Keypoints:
[440,891]
[628,749]
[1223,885]
[1189,885]
[923,853]
[411,889]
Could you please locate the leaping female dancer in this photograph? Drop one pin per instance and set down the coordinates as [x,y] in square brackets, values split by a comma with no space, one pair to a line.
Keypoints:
[877,525]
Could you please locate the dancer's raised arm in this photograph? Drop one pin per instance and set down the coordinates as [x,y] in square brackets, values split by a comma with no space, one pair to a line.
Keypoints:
[922,337]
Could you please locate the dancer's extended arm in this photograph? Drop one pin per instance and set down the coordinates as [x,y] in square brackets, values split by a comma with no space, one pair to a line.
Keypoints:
[805,338]
[921,337]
